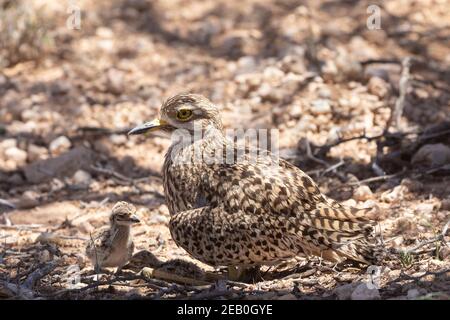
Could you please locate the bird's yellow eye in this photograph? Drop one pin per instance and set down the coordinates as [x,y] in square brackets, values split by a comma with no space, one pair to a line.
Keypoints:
[184,114]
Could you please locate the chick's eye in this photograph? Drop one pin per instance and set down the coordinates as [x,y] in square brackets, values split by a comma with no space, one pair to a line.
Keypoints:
[184,114]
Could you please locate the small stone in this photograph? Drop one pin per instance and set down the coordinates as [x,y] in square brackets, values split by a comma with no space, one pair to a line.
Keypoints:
[412,185]
[362,292]
[29,199]
[104,32]
[82,178]
[59,145]
[412,294]
[8,143]
[44,256]
[394,195]
[273,73]
[324,93]
[405,226]
[432,155]
[17,155]
[320,106]
[64,165]
[378,87]
[81,259]
[425,208]
[118,139]
[444,253]
[115,81]
[349,203]
[246,64]
[374,71]
[37,153]
[158,219]
[345,292]
[362,193]
[49,238]
[445,204]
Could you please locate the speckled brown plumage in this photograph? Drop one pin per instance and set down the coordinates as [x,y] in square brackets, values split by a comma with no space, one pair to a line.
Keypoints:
[249,212]
[113,246]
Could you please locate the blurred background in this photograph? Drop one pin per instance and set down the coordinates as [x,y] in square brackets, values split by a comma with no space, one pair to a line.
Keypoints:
[76,75]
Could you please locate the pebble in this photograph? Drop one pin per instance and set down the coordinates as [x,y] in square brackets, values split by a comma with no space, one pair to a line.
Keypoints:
[29,199]
[17,155]
[413,294]
[362,292]
[59,145]
[118,139]
[445,204]
[246,64]
[432,155]
[425,208]
[37,153]
[344,292]
[444,253]
[378,87]
[82,178]
[44,256]
[393,195]
[362,193]
[8,143]
[320,106]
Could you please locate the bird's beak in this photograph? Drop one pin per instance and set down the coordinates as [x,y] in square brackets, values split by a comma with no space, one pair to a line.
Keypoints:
[148,127]
[134,219]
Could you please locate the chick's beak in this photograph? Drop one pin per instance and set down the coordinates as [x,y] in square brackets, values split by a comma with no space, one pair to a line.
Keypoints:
[134,219]
[148,127]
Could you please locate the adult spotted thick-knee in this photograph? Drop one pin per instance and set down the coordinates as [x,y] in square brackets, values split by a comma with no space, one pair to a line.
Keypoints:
[250,208]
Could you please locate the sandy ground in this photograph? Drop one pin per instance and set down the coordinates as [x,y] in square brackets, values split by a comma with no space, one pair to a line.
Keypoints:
[311,69]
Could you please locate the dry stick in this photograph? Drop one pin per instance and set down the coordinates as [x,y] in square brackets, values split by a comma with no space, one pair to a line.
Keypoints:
[439,237]
[121,176]
[25,290]
[97,267]
[21,226]
[374,179]
[100,283]
[150,273]
[36,275]
[310,156]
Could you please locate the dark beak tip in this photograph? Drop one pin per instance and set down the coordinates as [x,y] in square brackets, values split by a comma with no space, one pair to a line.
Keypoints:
[132,132]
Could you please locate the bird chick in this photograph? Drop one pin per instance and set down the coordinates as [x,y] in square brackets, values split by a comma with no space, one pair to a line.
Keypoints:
[113,246]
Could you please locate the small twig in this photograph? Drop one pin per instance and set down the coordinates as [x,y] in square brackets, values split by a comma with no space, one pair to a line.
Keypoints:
[310,155]
[39,273]
[374,179]
[97,284]
[333,167]
[150,273]
[21,226]
[121,177]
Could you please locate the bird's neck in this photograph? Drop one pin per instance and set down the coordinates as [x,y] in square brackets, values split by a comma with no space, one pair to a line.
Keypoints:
[188,145]
[120,233]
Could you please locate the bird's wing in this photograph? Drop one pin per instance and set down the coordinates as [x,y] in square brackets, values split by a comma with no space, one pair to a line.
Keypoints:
[98,239]
[291,200]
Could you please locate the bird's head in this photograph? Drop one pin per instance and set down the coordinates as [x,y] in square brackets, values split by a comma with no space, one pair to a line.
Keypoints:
[183,111]
[123,213]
